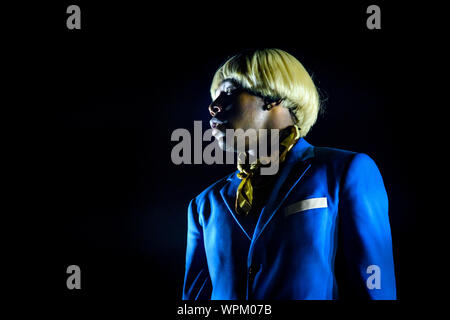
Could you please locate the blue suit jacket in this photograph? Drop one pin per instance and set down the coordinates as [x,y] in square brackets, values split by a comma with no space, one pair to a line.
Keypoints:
[327,205]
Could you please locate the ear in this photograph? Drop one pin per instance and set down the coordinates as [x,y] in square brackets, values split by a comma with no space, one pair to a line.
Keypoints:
[273,104]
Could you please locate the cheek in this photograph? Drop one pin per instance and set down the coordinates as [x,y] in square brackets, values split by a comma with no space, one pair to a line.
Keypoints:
[247,111]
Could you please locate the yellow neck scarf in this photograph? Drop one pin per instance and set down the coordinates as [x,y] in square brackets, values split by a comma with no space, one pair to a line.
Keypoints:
[244,195]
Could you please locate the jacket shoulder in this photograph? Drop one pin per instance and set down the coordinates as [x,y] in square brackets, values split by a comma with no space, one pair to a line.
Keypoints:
[341,161]
[335,156]
[346,163]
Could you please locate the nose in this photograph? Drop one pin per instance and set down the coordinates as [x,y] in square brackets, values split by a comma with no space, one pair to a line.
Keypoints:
[214,109]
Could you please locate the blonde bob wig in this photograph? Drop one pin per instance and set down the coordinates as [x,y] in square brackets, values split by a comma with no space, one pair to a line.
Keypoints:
[276,75]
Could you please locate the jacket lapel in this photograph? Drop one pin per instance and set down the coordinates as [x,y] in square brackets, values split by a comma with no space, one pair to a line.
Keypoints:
[293,169]
[228,193]
[296,164]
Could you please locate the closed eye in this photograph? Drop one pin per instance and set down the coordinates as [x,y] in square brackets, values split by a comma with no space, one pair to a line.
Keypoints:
[231,90]
[228,88]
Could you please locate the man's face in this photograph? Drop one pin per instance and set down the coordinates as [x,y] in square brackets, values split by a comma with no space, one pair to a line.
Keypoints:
[235,108]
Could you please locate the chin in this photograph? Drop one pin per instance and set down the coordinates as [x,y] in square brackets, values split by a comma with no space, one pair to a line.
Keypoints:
[224,146]
[221,141]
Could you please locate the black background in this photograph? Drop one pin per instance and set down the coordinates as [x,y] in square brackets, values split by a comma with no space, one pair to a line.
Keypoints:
[104,192]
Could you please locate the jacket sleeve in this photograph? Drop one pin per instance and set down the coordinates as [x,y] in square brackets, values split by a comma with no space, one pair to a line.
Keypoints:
[365,235]
[197,283]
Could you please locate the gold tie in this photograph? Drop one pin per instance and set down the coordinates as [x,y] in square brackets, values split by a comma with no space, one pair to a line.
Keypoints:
[244,195]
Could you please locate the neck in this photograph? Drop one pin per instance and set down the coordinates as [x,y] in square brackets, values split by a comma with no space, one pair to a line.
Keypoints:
[273,150]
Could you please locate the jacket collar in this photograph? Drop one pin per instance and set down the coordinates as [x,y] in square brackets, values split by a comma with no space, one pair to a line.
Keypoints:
[291,172]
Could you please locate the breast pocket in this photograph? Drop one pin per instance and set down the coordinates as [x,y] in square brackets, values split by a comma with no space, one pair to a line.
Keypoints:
[306,204]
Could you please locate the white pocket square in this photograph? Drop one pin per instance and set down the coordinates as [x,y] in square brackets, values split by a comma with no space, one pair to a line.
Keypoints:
[313,203]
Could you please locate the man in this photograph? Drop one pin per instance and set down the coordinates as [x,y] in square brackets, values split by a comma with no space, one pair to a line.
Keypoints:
[317,229]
